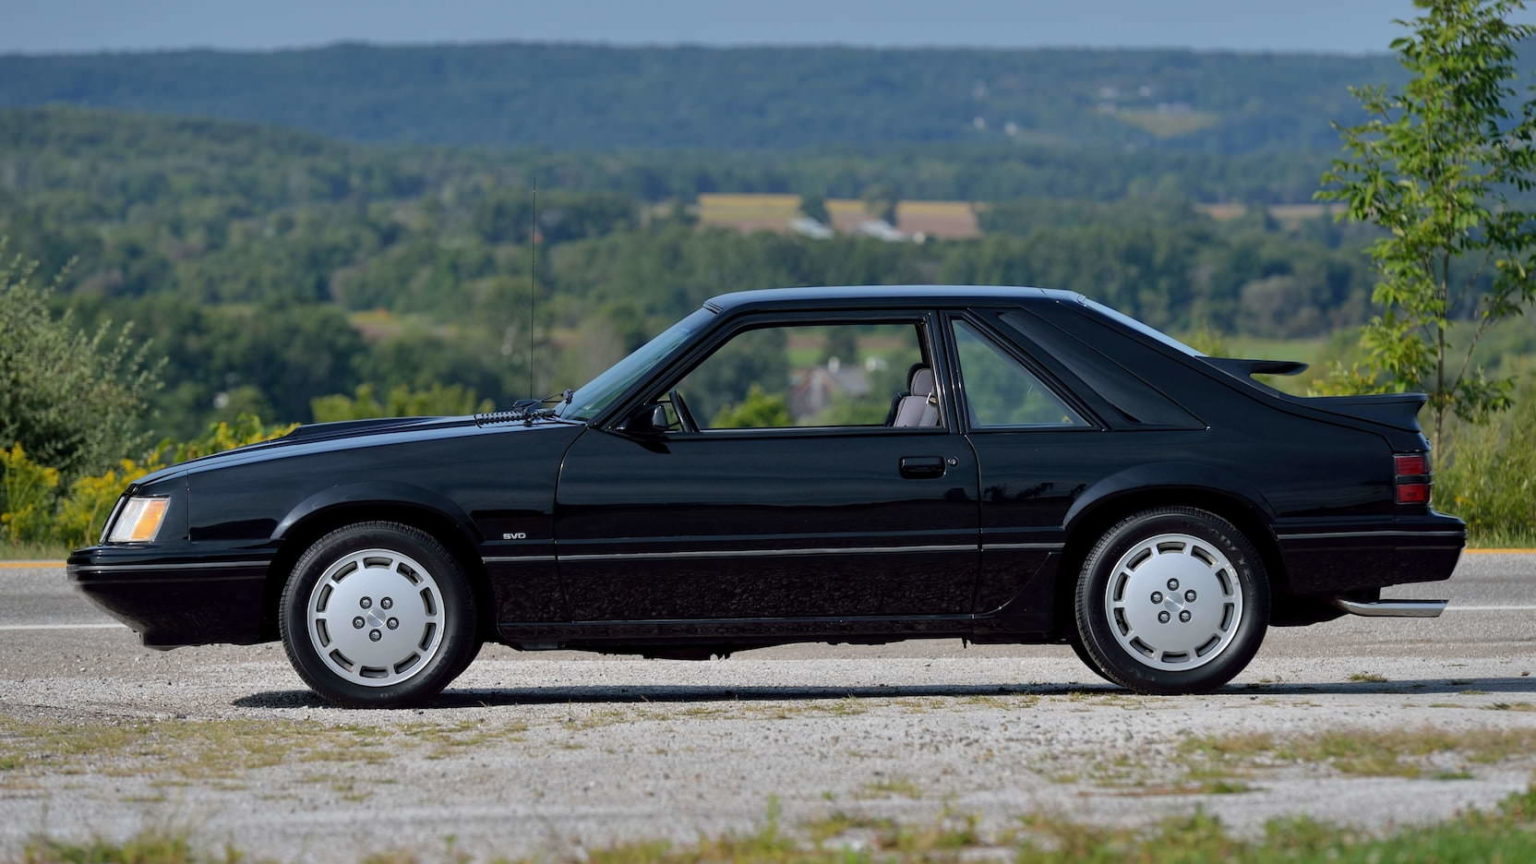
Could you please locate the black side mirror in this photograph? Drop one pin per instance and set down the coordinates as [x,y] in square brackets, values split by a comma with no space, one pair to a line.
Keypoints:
[647,421]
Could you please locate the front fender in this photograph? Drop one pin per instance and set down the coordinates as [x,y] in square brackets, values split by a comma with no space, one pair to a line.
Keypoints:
[376,493]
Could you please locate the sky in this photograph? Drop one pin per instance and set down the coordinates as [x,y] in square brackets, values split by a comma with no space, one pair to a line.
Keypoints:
[1337,26]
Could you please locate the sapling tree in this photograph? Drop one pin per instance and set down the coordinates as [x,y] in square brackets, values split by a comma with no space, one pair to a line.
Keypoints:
[1441,164]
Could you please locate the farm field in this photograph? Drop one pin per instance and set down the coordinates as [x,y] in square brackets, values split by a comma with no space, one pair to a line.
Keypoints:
[938,219]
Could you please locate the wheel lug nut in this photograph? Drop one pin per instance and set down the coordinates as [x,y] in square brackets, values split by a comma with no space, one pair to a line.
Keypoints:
[1157,596]
[357,622]
[1190,595]
[366,602]
[1162,617]
[374,635]
[1183,616]
[386,603]
[392,623]
[1173,584]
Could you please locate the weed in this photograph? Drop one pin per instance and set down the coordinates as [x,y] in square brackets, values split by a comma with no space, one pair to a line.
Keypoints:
[891,787]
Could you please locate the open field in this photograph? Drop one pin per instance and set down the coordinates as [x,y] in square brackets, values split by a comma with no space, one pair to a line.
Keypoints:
[1373,724]
[948,219]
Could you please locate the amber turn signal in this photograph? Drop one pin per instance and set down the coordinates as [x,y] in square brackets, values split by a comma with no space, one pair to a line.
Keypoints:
[139,521]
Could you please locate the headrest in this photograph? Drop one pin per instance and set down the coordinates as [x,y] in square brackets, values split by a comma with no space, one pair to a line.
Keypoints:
[921,383]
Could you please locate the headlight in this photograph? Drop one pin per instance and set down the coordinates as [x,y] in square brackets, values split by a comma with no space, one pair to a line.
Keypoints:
[139,520]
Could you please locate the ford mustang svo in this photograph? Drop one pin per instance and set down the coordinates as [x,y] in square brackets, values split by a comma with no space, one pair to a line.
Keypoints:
[841,465]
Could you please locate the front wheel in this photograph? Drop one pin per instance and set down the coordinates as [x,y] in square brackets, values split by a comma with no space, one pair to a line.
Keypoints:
[1171,601]
[378,614]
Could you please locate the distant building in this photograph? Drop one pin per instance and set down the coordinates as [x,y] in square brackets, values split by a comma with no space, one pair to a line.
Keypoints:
[817,387]
[882,230]
[805,226]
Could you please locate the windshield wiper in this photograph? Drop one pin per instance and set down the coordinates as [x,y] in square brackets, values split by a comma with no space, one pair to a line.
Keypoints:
[526,410]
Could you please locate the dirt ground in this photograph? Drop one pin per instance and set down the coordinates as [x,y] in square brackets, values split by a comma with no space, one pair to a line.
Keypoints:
[1368,722]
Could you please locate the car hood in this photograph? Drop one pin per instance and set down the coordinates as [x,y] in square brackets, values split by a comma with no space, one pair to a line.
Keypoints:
[347,434]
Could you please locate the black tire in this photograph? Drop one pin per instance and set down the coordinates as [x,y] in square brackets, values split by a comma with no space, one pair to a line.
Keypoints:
[1104,634]
[449,650]
[1083,655]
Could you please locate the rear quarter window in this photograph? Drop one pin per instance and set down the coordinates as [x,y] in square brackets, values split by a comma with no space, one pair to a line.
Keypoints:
[1138,402]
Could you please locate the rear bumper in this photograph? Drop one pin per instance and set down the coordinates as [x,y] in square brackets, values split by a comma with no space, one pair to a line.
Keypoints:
[1341,557]
[171,601]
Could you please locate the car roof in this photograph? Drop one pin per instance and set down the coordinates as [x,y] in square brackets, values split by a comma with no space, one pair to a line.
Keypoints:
[875,296]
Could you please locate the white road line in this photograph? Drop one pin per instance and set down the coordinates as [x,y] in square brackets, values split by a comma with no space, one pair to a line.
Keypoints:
[1454,608]
[59,626]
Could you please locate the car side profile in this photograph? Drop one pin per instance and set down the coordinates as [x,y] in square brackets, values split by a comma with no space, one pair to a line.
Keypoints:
[841,465]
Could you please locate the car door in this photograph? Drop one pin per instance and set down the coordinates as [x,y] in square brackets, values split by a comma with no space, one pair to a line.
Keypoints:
[799,494]
[1039,446]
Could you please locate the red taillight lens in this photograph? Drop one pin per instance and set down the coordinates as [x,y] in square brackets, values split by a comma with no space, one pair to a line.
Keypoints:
[1412,480]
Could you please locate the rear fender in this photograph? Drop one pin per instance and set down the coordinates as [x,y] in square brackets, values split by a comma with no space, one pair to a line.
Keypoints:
[1172,478]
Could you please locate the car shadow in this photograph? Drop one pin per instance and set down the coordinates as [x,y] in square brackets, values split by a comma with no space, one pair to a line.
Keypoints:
[682,693]
[665,693]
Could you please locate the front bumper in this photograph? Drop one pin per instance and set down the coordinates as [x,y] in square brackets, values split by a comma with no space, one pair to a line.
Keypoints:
[172,600]
[1336,557]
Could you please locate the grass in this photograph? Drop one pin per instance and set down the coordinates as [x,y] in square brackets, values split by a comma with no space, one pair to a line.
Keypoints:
[180,750]
[1504,833]
[1405,753]
[1494,538]
[33,552]
[892,787]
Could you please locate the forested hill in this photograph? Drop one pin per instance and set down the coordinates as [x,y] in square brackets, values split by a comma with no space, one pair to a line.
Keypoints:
[273,267]
[603,97]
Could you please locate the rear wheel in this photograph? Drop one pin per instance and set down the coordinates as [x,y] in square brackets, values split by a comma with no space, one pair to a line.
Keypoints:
[378,614]
[1170,601]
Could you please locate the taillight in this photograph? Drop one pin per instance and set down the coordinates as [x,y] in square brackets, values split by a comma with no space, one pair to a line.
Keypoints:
[1412,477]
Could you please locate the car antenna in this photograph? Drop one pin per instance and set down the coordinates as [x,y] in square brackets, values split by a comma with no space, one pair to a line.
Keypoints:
[533,287]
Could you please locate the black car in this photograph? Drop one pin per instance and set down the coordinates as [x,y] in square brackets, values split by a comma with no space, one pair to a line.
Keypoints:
[842,465]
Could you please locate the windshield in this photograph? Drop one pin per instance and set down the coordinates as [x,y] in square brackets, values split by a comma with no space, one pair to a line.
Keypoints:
[1142,328]
[601,391]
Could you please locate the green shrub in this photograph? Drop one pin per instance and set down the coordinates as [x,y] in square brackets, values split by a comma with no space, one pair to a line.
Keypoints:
[72,398]
[37,509]
[435,401]
[760,410]
[1487,475]
[30,489]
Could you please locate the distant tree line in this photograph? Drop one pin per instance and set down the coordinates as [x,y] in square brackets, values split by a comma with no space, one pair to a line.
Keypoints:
[273,268]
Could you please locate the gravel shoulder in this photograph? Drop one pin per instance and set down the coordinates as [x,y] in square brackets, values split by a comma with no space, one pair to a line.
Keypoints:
[1370,723]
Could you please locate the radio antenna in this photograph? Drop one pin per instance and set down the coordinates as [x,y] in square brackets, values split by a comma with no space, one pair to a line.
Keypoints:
[533,287]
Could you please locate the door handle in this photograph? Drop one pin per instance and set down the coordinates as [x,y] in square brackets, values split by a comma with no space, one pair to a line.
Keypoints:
[918,467]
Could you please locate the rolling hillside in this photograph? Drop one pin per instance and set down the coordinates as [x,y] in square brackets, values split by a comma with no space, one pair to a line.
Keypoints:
[603,97]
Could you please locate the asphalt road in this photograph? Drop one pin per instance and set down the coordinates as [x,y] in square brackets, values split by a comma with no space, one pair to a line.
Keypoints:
[547,753]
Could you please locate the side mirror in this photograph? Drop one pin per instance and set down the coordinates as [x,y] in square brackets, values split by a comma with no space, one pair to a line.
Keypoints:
[647,421]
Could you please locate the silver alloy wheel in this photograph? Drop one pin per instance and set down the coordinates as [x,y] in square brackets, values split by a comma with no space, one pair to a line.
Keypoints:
[1173,602]
[376,617]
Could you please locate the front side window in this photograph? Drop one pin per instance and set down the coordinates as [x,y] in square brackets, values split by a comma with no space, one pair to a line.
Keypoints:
[1000,391]
[824,375]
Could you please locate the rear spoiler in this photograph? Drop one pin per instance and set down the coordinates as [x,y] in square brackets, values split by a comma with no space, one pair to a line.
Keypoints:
[1399,410]
[1244,368]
